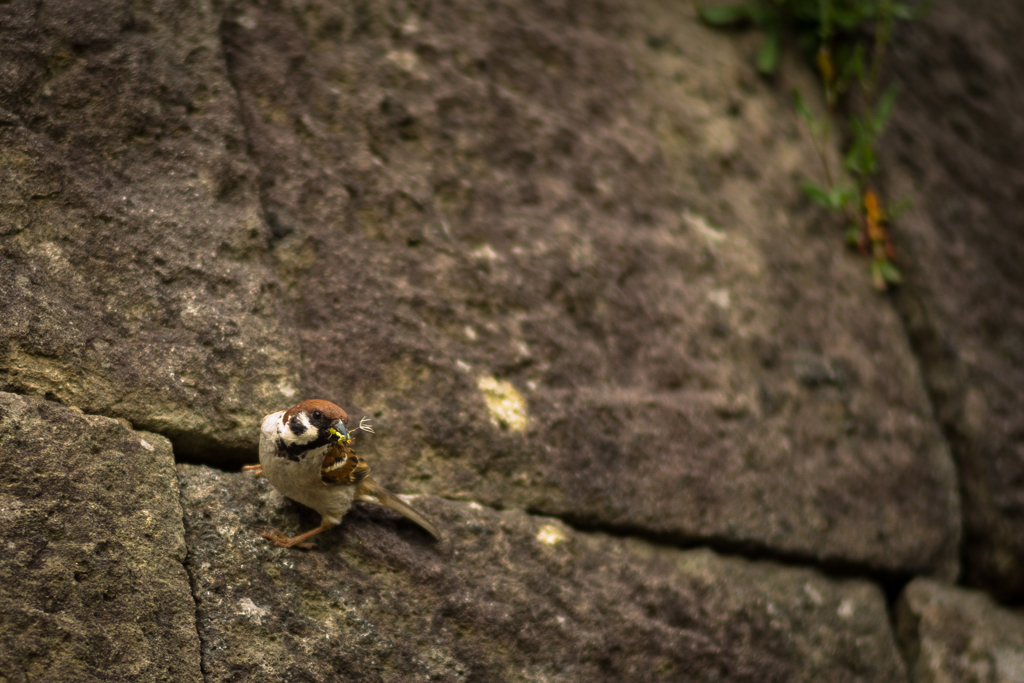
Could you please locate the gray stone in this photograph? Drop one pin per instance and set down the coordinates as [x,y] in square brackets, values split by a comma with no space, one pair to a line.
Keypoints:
[962,249]
[954,635]
[134,275]
[561,255]
[92,583]
[505,596]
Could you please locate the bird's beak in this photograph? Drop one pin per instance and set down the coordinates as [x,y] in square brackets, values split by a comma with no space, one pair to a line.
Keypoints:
[338,431]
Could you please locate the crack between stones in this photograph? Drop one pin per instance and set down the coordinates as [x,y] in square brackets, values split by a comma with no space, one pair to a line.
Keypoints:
[193,590]
[920,339]
[195,457]
[246,125]
[891,582]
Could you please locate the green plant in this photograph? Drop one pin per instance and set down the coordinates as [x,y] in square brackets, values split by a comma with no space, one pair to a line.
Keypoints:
[846,41]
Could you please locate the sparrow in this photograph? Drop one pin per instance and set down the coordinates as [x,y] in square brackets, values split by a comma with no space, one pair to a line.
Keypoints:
[306,454]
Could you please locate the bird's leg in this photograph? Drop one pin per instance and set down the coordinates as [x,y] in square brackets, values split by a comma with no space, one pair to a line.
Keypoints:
[282,541]
[257,470]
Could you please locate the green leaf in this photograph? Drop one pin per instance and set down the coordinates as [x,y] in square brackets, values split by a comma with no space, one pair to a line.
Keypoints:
[850,61]
[801,106]
[890,273]
[849,64]
[852,161]
[877,278]
[817,194]
[852,235]
[883,110]
[768,56]
[857,61]
[825,19]
[834,199]
[724,15]
[842,195]
[911,12]
[860,159]
[902,10]
[763,14]
[849,18]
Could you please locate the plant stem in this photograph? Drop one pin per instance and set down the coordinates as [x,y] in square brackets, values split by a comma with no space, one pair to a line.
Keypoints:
[883,28]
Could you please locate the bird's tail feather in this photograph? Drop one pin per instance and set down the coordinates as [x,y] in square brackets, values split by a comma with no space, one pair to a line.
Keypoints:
[370,491]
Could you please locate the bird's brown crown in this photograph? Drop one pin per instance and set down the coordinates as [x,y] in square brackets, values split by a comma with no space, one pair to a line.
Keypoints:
[331,412]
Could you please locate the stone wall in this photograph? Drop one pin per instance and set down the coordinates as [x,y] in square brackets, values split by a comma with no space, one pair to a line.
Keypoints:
[557,251]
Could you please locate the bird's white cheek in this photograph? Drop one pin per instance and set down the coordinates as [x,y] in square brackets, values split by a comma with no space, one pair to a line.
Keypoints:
[309,432]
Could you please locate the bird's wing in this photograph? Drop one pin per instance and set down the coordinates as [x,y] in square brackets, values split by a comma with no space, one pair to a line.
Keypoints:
[342,465]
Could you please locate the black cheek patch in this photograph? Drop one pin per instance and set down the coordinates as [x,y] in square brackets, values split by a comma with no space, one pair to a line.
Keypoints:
[296,452]
[283,451]
[295,424]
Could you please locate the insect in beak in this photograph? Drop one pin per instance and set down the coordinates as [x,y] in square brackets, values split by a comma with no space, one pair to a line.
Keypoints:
[339,433]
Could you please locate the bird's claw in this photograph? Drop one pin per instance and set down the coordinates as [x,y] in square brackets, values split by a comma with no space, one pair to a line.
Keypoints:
[282,541]
[257,470]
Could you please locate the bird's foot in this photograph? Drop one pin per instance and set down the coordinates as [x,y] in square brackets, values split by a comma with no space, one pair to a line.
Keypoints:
[282,541]
[257,470]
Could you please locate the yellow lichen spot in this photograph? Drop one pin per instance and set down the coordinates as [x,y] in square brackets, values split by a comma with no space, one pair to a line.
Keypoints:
[404,59]
[504,403]
[286,388]
[550,534]
[701,225]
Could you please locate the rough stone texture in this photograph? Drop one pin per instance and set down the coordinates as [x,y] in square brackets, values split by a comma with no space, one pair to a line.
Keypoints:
[134,279]
[952,635]
[92,586]
[598,204]
[505,597]
[956,148]
[558,250]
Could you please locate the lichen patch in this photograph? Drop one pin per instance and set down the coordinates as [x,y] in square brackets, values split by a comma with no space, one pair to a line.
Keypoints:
[505,404]
[549,534]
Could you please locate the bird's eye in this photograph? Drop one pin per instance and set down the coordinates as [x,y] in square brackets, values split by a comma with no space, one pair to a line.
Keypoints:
[317,414]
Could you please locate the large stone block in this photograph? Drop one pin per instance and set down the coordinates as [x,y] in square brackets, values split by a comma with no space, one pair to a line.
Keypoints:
[505,596]
[92,582]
